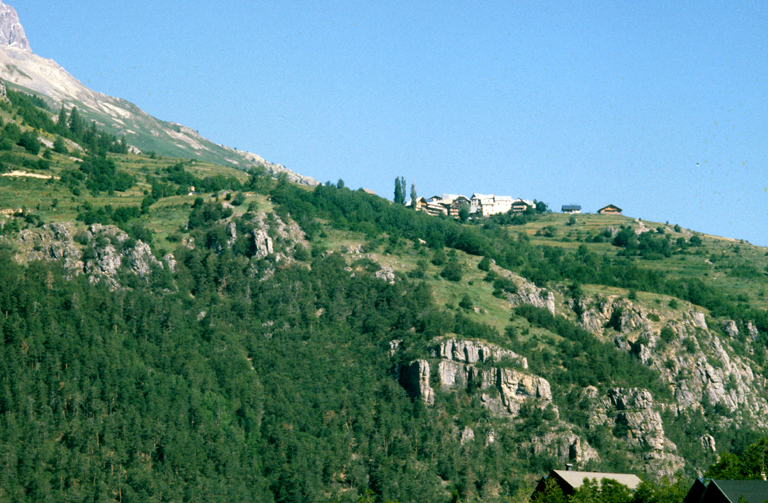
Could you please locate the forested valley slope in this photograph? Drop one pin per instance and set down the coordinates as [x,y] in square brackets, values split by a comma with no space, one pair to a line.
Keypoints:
[175,330]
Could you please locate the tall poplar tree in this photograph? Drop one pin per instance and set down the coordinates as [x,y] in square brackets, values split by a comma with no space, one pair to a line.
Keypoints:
[399,190]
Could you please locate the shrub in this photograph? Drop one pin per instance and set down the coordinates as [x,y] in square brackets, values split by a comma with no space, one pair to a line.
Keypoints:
[239,199]
[29,141]
[439,258]
[452,271]
[667,334]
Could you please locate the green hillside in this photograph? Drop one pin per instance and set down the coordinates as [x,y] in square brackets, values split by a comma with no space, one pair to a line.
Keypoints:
[175,330]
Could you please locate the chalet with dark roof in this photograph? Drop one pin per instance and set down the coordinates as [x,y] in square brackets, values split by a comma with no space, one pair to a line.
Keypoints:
[571,208]
[728,491]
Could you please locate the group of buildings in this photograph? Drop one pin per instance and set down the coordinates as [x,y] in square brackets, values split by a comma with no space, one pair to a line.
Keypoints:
[483,205]
[479,204]
[611,209]
[702,490]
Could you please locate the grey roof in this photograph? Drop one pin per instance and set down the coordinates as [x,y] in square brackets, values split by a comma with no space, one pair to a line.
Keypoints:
[576,479]
[753,491]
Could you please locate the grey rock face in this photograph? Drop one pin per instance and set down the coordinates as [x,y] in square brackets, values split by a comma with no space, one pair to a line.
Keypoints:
[623,313]
[386,273]
[528,293]
[415,379]
[504,389]
[631,414]
[630,398]
[708,443]
[232,231]
[140,259]
[170,261]
[631,410]
[11,31]
[699,320]
[695,363]
[51,242]
[468,435]
[730,328]
[474,351]
[510,387]
[108,251]
[753,333]
[263,243]
[565,446]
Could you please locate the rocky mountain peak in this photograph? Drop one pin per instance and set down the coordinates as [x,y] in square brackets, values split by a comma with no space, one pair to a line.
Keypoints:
[11,31]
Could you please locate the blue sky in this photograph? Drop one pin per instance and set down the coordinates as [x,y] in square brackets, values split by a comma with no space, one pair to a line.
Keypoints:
[658,107]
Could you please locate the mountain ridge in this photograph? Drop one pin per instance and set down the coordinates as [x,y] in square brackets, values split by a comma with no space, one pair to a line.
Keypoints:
[11,32]
[22,68]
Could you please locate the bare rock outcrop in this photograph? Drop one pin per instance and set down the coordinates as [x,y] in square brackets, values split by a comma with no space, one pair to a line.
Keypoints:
[415,379]
[232,231]
[635,415]
[170,261]
[103,252]
[697,364]
[470,364]
[263,244]
[140,259]
[616,313]
[11,32]
[528,293]
[467,435]
[467,351]
[566,446]
[288,231]
[504,390]
[631,414]
[111,249]
[711,373]
[273,236]
[386,273]
[730,328]
[50,242]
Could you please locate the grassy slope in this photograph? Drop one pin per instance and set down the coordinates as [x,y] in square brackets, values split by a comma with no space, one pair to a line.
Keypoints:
[169,214]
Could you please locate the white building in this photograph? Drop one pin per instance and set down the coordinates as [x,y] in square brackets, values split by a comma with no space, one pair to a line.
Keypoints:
[490,204]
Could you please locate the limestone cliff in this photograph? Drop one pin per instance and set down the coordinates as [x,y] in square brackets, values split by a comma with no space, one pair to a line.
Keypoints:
[701,363]
[101,252]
